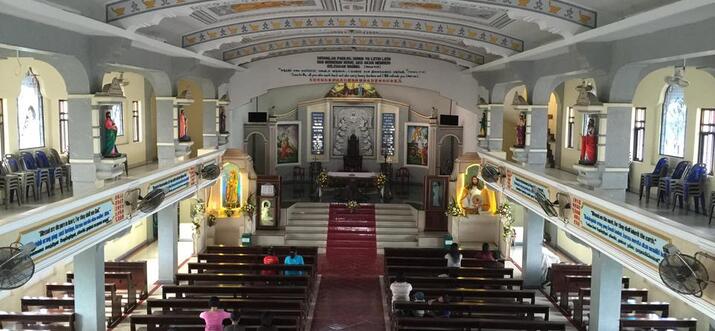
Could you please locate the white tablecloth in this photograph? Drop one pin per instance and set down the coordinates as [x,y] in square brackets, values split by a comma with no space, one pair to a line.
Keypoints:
[344,174]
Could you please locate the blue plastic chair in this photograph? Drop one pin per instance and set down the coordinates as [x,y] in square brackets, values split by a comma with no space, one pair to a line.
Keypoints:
[691,186]
[652,179]
[56,173]
[41,175]
[666,183]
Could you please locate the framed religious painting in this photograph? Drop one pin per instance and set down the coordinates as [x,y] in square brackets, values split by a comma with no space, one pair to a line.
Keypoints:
[268,202]
[416,144]
[435,202]
[288,143]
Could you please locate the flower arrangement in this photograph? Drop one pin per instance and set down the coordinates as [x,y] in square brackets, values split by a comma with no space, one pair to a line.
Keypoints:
[249,207]
[229,212]
[381,180]
[323,179]
[504,210]
[352,205]
[211,220]
[197,214]
[455,210]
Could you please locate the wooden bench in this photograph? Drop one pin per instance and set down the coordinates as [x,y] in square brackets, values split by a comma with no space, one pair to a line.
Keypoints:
[279,250]
[40,320]
[248,267]
[234,291]
[557,273]
[244,258]
[288,307]
[194,322]
[468,282]
[440,262]
[191,279]
[431,252]
[27,303]
[504,310]
[465,294]
[429,323]
[573,284]
[463,272]
[583,299]
[124,278]
[661,309]
[635,322]
[139,275]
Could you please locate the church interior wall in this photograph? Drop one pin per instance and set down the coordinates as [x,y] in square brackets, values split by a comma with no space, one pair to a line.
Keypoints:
[137,236]
[135,91]
[511,117]
[150,122]
[571,156]
[194,113]
[53,90]
[650,94]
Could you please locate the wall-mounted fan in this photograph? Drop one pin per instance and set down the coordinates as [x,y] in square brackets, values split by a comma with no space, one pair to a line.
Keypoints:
[546,205]
[145,204]
[16,265]
[210,172]
[683,273]
[492,174]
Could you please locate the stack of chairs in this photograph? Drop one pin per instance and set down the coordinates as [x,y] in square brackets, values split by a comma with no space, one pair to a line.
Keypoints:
[35,170]
[243,283]
[570,288]
[484,294]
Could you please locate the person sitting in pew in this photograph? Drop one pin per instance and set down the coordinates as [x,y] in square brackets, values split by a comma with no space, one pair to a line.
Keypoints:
[419,297]
[214,317]
[293,258]
[440,313]
[270,258]
[485,254]
[235,320]
[267,322]
[400,288]
[454,257]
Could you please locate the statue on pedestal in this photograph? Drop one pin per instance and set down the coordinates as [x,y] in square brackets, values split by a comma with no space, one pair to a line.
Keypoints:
[222,122]
[589,145]
[353,160]
[521,131]
[483,125]
[183,127]
[109,147]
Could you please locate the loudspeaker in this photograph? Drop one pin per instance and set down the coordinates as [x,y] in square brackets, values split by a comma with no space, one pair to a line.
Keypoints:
[257,117]
[448,120]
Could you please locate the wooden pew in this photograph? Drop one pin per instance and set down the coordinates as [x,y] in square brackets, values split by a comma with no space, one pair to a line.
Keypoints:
[468,282]
[194,306]
[27,303]
[191,279]
[244,258]
[235,291]
[557,275]
[40,320]
[280,250]
[411,323]
[573,284]
[463,272]
[635,322]
[465,294]
[660,309]
[494,310]
[248,267]
[440,262]
[139,275]
[121,277]
[584,294]
[194,322]
[430,252]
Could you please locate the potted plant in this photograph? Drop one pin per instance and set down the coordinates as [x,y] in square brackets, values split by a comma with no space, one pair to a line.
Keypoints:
[322,182]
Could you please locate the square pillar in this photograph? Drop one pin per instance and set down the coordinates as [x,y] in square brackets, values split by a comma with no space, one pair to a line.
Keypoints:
[536,134]
[606,276]
[168,226]
[432,147]
[83,151]
[532,256]
[272,146]
[495,127]
[614,179]
[470,130]
[89,288]
[210,116]
[165,131]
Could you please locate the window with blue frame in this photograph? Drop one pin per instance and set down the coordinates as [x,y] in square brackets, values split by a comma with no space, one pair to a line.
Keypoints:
[672,122]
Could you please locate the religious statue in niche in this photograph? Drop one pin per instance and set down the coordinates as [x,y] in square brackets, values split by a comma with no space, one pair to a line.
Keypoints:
[231,186]
[183,126]
[589,144]
[471,195]
[521,131]
[222,121]
[483,125]
[357,120]
[360,90]
[109,145]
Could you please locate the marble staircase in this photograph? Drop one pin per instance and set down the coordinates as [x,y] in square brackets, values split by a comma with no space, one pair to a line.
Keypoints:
[307,225]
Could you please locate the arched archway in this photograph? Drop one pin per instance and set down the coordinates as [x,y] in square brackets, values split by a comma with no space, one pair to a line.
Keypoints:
[449,147]
[256,145]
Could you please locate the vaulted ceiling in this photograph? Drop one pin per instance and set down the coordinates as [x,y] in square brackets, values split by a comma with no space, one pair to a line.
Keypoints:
[468,32]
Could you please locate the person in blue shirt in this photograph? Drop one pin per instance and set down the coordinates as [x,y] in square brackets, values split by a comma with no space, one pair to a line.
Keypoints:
[293,258]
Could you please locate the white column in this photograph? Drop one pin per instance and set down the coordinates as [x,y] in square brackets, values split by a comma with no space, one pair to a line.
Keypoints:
[495,131]
[537,134]
[616,153]
[210,117]
[82,150]
[165,131]
[89,288]
[470,130]
[606,277]
[168,225]
[532,255]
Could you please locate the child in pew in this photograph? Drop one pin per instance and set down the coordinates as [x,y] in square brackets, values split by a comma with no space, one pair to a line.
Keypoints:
[485,254]
[293,258]
[453,256]
[214,317]
[419,297]
[270,258]
[235,320]
[439,313]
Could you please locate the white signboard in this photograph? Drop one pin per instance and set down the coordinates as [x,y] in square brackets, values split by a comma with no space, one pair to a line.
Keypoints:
[172,184]
[64,231]
[646,245]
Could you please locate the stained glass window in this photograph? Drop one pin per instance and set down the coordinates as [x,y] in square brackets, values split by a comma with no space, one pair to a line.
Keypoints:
[672,123]
[30,113]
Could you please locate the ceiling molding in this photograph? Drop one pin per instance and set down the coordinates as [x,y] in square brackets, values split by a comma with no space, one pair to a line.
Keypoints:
[399,44]
[493,42]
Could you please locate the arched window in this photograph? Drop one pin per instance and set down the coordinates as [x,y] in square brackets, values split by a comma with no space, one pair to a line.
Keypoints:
[30,113]
[672,123]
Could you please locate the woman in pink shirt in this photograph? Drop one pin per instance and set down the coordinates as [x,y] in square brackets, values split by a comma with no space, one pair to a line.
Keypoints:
[214,317]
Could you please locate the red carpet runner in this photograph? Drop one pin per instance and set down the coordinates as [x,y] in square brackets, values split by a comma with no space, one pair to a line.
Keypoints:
[349,296]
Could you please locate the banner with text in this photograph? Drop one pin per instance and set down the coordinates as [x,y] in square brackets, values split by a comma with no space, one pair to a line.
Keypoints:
[369,69]
[174,183]
[525,187]
[69,229]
